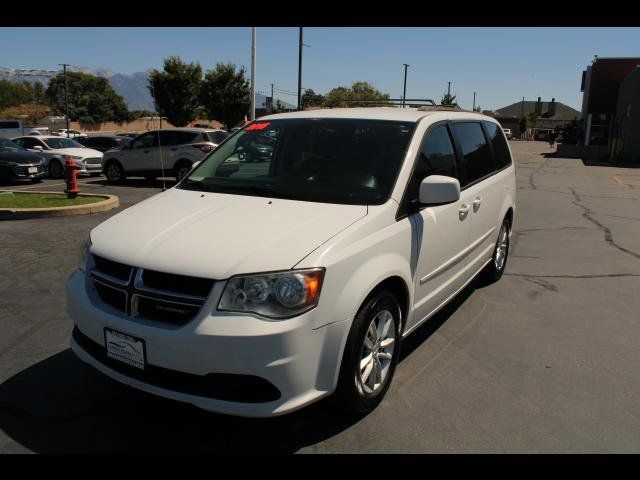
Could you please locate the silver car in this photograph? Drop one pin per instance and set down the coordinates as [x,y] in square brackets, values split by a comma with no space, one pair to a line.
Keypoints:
[161,153]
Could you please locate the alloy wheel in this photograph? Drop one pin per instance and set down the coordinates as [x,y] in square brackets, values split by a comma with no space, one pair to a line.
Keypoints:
[502,247]
[377,353]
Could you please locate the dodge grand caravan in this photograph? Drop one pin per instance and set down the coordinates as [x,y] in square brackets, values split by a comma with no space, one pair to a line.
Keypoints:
[256,288]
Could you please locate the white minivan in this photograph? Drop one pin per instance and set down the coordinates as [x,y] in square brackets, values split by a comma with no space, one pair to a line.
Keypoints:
[256,288]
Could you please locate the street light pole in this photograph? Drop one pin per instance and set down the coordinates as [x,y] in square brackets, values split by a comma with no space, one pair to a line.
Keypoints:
[474,101]
[300,71]
[66,98]
[404,89]
[253,73]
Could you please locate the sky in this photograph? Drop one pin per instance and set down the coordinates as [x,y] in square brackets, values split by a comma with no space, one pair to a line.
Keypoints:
[500,64]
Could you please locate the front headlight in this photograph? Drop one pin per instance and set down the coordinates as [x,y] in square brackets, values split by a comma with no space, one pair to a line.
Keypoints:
[273,295]
[85,253]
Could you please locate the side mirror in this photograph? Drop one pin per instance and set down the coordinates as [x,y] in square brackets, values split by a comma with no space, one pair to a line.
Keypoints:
[38,147]
[439,190]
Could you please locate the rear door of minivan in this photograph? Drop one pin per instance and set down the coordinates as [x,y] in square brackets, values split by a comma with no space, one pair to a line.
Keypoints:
[484,186]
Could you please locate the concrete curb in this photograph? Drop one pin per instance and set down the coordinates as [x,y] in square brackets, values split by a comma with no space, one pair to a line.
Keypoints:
[109,202]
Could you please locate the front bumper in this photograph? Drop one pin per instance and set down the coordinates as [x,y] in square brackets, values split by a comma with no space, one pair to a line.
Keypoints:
[288,354]
[90,168]
[22,171]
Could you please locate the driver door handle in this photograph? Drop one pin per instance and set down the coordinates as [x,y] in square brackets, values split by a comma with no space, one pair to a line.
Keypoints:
[463,211]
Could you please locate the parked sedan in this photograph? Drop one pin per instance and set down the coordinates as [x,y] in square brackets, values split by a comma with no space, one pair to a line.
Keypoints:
[16,163]
[57,150]
[104,142]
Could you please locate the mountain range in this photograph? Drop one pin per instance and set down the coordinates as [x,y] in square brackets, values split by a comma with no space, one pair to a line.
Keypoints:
[132,87]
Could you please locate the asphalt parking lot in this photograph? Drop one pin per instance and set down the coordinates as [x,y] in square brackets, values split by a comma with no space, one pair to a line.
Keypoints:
[543,361]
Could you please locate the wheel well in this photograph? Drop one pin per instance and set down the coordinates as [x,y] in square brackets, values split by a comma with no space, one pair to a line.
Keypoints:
[182,161]
[111,160]
[509,217]
[398,287]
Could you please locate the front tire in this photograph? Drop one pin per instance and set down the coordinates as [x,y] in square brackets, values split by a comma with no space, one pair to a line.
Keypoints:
[182,169]
[56,169]
[494,270]
[370,356]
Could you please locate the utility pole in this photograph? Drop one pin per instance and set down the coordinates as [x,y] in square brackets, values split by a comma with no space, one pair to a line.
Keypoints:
[253,73]
[404,89]
[66,98]
[474,101]
[522,112]
[271,110]
[300,71]
[449,89]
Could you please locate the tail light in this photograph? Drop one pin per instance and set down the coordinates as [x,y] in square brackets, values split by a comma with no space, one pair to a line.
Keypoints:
[204,147]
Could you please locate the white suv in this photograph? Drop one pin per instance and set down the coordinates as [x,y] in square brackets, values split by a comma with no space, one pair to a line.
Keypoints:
[160,153]
[256,288]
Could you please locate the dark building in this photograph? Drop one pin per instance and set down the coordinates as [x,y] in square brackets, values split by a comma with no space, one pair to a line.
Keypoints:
[601,86]
[625,141]
[549,116]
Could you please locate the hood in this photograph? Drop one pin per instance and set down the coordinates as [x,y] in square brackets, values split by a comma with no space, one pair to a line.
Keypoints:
[79,152]
[215,235]
[20,157]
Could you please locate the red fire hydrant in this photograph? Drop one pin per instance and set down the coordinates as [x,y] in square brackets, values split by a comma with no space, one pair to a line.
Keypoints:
[71,174]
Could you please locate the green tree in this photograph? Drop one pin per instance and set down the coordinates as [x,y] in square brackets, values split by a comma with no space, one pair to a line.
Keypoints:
[175,90]
[39,95]
[311,99]
[226,94]
[13,94]
[360,94]
[91,99]
[448,100]
[524,124]
[136,114]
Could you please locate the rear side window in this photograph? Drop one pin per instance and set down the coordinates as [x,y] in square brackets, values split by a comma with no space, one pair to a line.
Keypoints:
[476,156]
[9,125]
[501,155]
[217,137]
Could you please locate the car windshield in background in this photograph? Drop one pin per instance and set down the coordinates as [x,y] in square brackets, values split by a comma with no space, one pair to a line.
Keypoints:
[351,161]
[61,142]
[9,146]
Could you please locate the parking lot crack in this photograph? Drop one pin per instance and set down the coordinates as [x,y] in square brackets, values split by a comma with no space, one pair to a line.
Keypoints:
[608,236]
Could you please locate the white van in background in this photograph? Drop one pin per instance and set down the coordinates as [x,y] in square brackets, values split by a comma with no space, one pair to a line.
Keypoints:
[11,129]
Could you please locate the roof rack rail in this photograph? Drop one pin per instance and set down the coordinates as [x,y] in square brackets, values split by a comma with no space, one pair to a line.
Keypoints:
[408,102]
[455,108]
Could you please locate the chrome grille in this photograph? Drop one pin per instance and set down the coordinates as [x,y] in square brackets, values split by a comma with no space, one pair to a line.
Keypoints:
[138,293]
[23,170]
[93,161]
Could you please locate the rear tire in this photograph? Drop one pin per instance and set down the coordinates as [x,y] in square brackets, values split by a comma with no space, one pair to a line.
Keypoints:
[114,172]
[375,334]
[496,267]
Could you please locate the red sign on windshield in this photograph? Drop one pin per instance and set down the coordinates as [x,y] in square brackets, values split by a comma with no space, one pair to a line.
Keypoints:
[257,126]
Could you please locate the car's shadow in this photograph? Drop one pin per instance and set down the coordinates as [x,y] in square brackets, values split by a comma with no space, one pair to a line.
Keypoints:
[61,405]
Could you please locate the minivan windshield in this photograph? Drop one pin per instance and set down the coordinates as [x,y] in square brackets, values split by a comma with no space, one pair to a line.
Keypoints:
[330,160]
